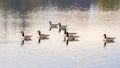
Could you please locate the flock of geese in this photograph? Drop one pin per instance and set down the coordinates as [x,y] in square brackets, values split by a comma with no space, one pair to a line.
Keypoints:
[68,36]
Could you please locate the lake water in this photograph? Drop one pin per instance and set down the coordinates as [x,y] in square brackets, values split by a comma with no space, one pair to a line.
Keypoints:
[90,19]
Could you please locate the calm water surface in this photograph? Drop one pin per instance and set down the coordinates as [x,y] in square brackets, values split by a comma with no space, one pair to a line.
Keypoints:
[89,18]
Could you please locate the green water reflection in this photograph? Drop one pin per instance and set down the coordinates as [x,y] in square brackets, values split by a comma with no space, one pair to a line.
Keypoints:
[25,5]
[108,5]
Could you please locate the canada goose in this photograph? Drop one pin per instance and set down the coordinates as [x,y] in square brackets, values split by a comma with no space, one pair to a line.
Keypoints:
[62,27]
[69,34]
[108,38]
[71,38]
[42,36]
[26,37]
[53,25]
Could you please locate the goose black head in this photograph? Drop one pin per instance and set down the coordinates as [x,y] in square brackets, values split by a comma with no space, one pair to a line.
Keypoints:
[22,33]
[39,32]
[59,24]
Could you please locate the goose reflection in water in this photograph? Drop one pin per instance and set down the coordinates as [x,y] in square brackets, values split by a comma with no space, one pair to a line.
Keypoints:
[39,40]
[107,42]
[71,39]
[22,43]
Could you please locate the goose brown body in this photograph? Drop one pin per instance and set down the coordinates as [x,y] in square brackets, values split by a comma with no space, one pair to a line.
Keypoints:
[26,37]
[69,33]
[53,25]
[108,38]
[62,27]
[42,36]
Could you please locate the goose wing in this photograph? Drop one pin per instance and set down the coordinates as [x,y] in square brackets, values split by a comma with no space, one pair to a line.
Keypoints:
[110,38]
[44,35]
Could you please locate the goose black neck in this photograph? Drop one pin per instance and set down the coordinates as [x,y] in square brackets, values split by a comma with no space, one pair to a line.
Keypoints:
[23,34]
[50,23]
[39,32]
[67,34]
[105,36]
[65,31]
